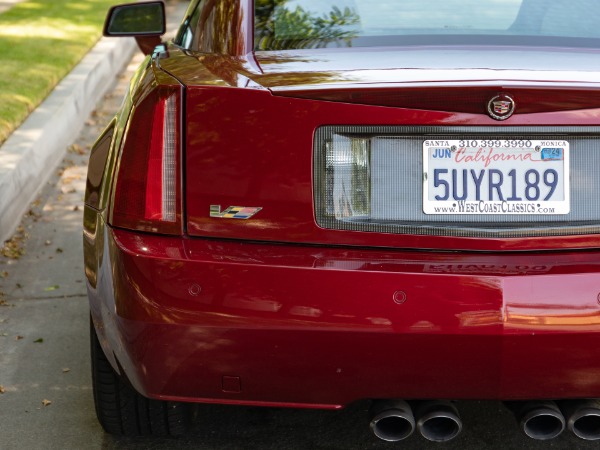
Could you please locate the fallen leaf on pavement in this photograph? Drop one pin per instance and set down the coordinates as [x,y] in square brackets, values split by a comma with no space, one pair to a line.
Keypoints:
[18,338]
[2,390]
[34,214]
[66,369]
[76,148]
[46,402]
[38,341]
[52,288]
[13,248]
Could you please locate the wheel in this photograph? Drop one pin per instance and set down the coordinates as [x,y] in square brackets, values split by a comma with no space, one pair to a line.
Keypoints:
[121,410]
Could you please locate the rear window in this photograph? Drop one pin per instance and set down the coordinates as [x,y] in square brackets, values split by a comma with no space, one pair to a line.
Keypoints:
[298,24]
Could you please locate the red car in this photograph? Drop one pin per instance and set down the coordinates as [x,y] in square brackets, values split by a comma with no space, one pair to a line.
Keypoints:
[310,203]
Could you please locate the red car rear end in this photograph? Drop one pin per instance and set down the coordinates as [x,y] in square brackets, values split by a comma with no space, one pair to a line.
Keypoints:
[307,222]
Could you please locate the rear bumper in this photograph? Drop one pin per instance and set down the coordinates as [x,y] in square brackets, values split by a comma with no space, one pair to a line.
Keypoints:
[233,322]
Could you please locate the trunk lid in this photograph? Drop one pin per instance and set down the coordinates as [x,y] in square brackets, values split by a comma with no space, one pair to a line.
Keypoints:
[435,78]
[257,130]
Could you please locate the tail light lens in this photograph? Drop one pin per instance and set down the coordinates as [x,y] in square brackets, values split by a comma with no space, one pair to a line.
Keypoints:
[147,192]
[348,178]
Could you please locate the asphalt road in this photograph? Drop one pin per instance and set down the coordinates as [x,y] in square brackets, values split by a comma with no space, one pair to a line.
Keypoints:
[44,354]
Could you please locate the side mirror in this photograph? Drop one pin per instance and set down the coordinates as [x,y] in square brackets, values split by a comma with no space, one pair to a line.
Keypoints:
[144,21]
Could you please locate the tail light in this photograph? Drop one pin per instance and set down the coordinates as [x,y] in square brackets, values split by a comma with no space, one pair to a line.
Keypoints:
[147,193]
[348,178]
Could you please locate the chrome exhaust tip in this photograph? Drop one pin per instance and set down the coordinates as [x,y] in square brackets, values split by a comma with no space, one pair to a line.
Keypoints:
[583,418]
[541,420]
[392,420]
[438,421]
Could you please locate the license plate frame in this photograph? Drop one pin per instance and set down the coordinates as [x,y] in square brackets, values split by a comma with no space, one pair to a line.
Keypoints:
[522,176]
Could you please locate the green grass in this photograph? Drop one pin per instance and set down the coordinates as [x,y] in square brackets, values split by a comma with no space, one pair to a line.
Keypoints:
[40,42]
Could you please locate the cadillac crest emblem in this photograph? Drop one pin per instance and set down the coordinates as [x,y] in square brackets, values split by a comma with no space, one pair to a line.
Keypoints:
[501,107]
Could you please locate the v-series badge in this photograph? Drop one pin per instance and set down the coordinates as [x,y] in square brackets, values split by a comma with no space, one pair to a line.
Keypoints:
[233,212]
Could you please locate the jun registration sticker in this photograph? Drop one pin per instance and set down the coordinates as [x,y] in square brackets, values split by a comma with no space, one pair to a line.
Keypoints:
[496,176]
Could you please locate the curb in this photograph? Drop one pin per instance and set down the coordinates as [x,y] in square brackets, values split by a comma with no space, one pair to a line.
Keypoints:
[34,150]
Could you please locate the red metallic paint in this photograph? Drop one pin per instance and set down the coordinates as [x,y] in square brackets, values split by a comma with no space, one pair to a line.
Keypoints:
[236,137]
[320,318]
[319,327]
[465,99]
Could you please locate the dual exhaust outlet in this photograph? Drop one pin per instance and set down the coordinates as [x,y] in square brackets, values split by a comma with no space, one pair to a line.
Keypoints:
[439,421]
[394,420]
[548,419]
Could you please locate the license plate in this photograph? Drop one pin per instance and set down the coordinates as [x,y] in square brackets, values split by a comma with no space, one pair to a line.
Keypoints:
[493,176]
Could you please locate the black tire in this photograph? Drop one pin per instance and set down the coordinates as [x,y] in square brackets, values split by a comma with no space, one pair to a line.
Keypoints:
[121,410]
